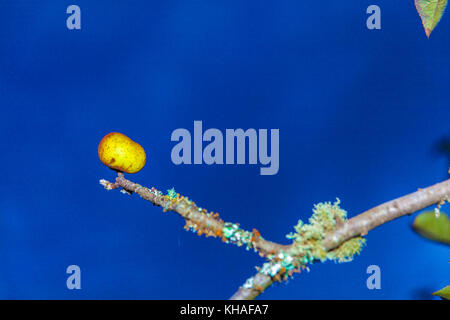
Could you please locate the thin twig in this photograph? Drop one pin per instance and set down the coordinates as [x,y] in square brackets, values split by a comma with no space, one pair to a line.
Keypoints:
[199,219]
[360,225]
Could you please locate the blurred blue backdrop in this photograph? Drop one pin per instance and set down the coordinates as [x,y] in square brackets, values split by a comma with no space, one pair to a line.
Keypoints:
[359,114]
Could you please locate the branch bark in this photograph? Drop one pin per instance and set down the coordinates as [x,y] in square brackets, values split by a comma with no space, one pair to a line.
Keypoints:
[360,225]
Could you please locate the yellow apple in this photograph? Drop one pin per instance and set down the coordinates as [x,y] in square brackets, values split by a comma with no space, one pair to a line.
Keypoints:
[120,153]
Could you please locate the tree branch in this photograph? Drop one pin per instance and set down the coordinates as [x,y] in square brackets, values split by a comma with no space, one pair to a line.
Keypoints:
[201,221]
[198,219]
[360,225]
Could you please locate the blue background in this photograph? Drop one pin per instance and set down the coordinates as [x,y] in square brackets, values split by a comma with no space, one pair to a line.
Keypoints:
[359,113]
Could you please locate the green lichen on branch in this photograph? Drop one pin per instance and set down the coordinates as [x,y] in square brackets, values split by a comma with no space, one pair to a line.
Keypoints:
[307,246]
[308,237]
[172,193]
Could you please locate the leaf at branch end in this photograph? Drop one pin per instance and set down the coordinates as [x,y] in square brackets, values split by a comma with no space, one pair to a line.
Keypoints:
[433,228]
[444,293]
[430,12]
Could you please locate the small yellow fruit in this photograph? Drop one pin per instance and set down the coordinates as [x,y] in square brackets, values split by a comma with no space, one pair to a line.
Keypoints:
[119,152]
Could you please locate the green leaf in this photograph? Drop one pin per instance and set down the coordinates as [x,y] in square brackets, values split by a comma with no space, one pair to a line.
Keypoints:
[431,227]
[430,12]
[444,293]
